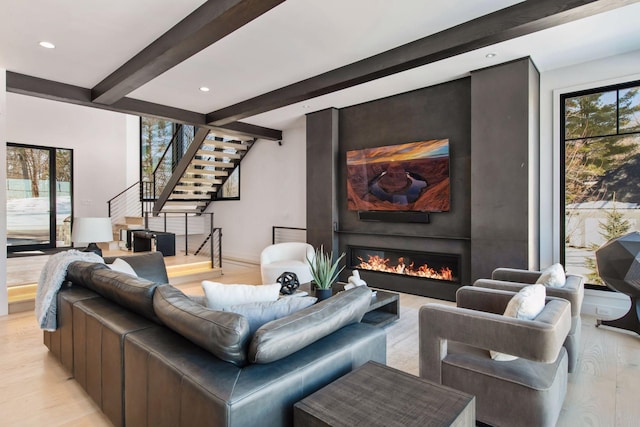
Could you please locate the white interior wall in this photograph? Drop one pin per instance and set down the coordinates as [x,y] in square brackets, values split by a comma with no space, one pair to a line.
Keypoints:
[612,70]
[133,149]
[4,306]
[98,139]
[272,192]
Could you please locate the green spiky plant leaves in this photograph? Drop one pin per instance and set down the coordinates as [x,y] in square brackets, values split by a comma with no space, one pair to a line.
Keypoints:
[323,269]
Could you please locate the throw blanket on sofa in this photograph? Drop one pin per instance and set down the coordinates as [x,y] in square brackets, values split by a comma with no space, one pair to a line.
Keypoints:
[51,279]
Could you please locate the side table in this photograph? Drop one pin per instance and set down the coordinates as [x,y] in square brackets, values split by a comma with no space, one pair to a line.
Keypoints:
[377,395]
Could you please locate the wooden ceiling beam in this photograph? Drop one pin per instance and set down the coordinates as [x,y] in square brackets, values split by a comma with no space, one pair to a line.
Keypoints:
[518,20]
[206,25]
[48,89]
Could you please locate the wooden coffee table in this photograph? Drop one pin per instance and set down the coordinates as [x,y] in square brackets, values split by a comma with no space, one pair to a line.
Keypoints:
[384,307]
[377,395]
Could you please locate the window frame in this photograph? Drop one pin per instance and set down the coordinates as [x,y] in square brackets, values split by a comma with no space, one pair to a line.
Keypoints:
[617,87]
[53,209]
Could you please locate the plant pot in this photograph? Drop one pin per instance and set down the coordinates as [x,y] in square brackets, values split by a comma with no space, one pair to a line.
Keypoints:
[323,294]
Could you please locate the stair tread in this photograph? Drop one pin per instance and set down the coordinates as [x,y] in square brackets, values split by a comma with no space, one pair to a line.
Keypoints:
[212,181]
[202,162]
[218,154]
[182,203]
[189,197]
[224,144]
[202,188]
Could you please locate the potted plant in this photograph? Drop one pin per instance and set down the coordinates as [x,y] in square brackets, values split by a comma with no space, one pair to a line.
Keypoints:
[324,271]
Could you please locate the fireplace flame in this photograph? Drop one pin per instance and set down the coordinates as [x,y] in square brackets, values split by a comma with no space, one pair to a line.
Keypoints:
[378,263]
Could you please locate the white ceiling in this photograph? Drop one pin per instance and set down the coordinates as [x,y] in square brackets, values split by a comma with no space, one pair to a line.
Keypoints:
[296,40]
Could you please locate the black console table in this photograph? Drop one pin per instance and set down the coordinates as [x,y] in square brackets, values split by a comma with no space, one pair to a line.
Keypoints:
[129,233]
[145,241]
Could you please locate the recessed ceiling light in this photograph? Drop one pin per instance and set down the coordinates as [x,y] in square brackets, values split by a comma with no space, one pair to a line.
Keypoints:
[491,55]
[204,89]
[306,106]
[48,45]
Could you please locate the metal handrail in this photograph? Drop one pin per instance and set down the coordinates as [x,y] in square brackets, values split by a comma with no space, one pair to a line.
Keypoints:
[122,192]
[215,260]
[166,150]
[160,168]
[186,215]
[121,206]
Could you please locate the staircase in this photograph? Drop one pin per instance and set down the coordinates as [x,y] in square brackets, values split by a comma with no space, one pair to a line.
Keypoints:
[195,169]
[200,175]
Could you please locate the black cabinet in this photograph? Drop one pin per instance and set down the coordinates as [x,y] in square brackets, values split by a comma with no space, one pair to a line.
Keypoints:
[146,241]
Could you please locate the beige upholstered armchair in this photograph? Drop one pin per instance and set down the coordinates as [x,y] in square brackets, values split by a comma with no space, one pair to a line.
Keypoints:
[454,351]
[512,279]
[288,256]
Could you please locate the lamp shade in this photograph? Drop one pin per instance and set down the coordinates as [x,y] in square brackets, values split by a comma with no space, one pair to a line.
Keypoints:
[91,230]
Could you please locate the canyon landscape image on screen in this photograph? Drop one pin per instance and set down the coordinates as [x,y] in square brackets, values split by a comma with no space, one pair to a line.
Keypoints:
[405,177]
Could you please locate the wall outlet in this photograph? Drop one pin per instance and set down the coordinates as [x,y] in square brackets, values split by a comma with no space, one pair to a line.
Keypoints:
[603,311]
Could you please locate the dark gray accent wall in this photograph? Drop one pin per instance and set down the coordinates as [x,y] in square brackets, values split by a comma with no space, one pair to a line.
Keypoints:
[322,161]
[491,120]
[436,112]
[504,167]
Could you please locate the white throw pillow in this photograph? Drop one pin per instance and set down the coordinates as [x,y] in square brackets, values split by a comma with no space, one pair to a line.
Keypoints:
[122,266]
[527,305]
[259,313]
[552,276]
[220,295]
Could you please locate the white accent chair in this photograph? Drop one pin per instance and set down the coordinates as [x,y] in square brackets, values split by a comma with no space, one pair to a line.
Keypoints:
[288,256]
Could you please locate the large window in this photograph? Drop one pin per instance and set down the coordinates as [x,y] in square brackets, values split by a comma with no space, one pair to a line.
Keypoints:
[155,135]
[39,197]
[157,157]
[601,143]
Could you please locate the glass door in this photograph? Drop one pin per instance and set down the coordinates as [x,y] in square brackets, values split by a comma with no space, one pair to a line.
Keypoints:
[38,197]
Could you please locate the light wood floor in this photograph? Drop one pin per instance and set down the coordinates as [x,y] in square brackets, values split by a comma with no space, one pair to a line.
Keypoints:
[36,391]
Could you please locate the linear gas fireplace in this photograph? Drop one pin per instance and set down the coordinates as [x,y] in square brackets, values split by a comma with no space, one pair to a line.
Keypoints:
[421,273]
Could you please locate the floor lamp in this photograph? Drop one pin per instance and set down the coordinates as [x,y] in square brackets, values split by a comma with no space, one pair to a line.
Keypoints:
[93,230]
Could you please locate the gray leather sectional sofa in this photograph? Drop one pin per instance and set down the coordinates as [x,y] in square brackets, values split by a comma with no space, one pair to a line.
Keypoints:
[141,372]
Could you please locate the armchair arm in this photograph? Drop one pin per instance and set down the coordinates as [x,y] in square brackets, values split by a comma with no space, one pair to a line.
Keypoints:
[538,340]
[515,275]
[483,299]
[572,291]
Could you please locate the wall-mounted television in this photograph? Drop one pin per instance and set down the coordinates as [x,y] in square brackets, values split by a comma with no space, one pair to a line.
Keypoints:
[411,177]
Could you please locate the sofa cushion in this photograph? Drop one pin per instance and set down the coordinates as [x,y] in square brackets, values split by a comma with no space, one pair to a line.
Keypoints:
[222,333]
[553,276]
[259,313]
[526,305]
[282,337]
[148,265]
[123,267]
[133,293]
[220,295]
